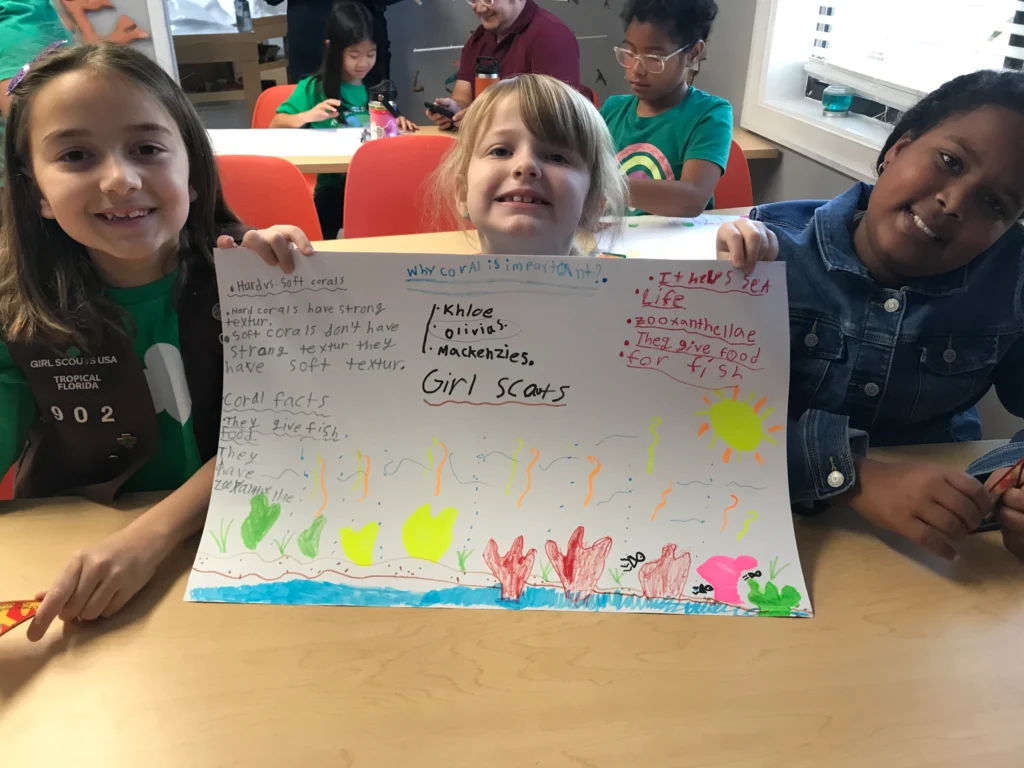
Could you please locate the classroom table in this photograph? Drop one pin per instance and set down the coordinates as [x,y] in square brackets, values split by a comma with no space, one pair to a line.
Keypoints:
[908,661]
[324,152]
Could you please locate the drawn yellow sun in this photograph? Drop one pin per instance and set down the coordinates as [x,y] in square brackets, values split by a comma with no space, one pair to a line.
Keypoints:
[738,423]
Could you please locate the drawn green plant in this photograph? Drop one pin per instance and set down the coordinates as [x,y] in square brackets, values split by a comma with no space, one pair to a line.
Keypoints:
[774,570]
[771,602]
[616,575]
[309,539]
[262,516]
[222,540]
[282,544]
[463,554]
[545,571]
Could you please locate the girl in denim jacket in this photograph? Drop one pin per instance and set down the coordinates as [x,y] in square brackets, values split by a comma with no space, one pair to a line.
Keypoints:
[906,306]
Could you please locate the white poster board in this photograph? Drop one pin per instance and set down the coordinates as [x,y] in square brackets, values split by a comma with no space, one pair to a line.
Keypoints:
[664,237]
[503,432]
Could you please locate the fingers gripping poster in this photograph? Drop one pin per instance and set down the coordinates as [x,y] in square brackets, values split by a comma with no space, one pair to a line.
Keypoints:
[503,432]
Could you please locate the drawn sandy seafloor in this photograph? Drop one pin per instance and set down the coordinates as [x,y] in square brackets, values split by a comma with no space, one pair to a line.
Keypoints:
[336,540]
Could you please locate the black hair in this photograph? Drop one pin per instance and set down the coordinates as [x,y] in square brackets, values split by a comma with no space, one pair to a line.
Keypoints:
[49,288]
[685,21]
[959,96]
[348,24]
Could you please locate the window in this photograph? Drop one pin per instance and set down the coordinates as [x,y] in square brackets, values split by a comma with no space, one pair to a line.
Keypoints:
[890,52]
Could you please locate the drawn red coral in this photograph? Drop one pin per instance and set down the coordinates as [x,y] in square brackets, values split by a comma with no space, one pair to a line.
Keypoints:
[511,569]
[580,567]
[666,576]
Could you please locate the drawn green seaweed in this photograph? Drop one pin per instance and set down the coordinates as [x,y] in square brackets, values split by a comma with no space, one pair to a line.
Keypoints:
[616,575]
[222,540]
[771,602]
[774,570]
[309,539]
[262,516]
[463,554]
[282,544]
[545,571]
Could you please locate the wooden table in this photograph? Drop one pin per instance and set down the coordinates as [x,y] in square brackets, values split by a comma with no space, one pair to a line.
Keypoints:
[908,662]
[754,147]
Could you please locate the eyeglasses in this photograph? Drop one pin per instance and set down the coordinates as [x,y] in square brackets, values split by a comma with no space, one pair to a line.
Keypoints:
[487,3]
[653,64]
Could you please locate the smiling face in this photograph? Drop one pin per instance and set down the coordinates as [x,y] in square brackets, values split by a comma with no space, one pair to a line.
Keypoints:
[112,170]
[499,16]
[944,197]
[358,60]
[524,196]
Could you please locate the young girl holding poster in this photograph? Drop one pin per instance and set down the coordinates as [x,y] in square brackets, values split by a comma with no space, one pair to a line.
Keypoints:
[533,168]
[111,359]
[905,309]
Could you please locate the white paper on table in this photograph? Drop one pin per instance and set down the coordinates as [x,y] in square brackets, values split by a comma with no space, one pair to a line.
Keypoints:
[286,142]
[662,237]
[503,432]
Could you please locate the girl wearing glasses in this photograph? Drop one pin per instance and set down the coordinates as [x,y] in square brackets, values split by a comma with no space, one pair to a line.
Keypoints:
[672,139]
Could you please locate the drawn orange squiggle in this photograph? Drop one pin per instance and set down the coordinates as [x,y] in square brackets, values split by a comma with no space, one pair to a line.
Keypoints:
[725,512]
[366,479]
[440,466]
[664,493]
[590,478]
[323,487]
[536,455]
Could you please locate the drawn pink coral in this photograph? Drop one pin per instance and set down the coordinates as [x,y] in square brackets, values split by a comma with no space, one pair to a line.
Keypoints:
[723,574]
[511,569]
[580,567]
[666,576]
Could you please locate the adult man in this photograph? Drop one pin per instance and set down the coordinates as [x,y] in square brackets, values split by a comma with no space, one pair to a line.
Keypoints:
[524,38]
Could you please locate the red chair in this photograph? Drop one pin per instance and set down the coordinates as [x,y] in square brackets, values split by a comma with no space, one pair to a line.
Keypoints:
[267,104]
[266,108]
[264,191]
[384,191]
[7,485]
[589,93]
[734,189]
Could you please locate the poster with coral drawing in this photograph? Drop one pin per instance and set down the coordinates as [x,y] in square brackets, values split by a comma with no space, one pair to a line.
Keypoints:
[503,432]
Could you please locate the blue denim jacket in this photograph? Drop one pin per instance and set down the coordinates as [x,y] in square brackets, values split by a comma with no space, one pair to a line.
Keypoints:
[884,366]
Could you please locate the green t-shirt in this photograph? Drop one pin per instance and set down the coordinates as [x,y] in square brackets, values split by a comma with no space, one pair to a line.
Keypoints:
[157,345]
[354,113]
[26,27]
[697,128]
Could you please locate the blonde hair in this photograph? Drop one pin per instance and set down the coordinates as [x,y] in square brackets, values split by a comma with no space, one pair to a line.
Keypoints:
[554,113]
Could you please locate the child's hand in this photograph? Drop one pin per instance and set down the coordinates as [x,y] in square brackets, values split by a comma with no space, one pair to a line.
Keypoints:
[99,580]
[325,110]
[1011,517]
[743,243]
[929,504]
[441,121]
[273,244]
[406,125]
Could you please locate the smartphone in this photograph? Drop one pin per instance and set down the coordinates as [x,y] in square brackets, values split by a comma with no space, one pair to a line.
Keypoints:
[437,109]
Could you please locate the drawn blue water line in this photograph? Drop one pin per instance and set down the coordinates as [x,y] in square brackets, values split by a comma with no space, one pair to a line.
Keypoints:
[613,496]
[740,485]
[693,482]
[555,461]
[283,472]
[533,292]
[624,437]
[302,592]
[400,463]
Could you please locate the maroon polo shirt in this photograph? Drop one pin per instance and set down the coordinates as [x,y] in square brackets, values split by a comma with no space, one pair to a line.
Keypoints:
[538,43]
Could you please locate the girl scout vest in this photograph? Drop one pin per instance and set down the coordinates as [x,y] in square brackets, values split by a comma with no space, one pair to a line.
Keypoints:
[88,440]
